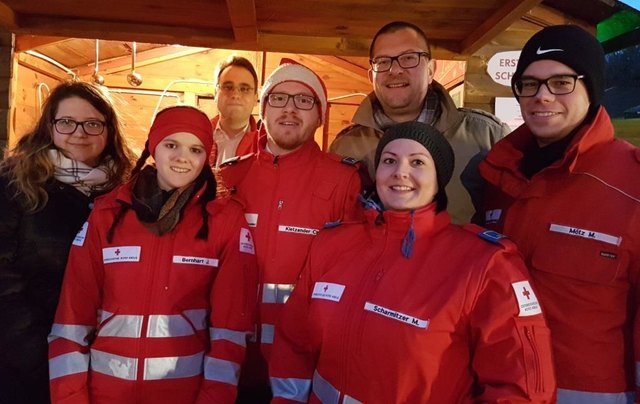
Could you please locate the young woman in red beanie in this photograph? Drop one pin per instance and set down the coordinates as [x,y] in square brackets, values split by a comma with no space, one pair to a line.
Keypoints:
[408,308]
[135,322]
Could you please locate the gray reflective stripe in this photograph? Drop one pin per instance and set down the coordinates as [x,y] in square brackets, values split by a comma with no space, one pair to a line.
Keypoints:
[237,337]
[350,400]
[173,367]
[276,292]
[68,364]
[267,333]
[324,390]
[198,317]
[291,388]
[220,370]
[638,374]
[586,397]
[164,326]
[118,366]
[75,333]
[128,326]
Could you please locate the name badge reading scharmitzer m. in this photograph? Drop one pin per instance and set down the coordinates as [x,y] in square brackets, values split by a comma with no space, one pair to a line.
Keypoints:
[396,315]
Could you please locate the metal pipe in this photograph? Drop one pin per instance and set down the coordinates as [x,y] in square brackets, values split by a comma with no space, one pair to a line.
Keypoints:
[51,60]
[168,86]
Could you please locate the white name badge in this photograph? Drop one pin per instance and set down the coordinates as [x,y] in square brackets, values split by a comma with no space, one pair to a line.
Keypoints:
[246,242]
[207,262]
[527,300]
[299,230]
[252,219]
[82,235]
[121,254]
[327,291]
[396,315]
[578,232]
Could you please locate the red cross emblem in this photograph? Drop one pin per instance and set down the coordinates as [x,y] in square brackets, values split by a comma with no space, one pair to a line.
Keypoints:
[117,252]
[248,236]
[525,292]
[325,288]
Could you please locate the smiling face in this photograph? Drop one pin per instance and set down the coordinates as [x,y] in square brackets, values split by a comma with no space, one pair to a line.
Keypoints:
[179,159]
[406,176]
[78,145]
[288,128]
[401,92]
[552,117]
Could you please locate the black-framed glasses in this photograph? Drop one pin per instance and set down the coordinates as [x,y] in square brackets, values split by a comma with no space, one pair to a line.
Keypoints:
[67,126]
[407,60]
[228,88]
[558,85]
[301,101]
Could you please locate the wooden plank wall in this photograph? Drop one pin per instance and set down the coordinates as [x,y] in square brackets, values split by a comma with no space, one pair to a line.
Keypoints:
[6,73]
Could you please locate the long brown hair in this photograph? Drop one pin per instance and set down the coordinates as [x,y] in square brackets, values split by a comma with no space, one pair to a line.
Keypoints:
[28,167]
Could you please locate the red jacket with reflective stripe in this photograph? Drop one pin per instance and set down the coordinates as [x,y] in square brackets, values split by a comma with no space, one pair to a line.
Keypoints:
[577,223]
[140,307]
[456,322]
[288,200]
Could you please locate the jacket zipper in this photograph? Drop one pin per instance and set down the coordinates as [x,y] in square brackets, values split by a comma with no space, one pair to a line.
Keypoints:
[532,343]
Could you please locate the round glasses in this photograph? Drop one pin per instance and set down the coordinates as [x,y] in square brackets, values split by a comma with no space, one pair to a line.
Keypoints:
[407,60]
[68,126]
[301,101]
[557,85]
[230,88]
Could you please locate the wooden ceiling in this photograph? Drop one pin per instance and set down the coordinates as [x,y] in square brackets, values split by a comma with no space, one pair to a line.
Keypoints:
[65,30]
[332,27]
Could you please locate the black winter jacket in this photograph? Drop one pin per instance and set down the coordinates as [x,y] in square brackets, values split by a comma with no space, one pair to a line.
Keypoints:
[33,256]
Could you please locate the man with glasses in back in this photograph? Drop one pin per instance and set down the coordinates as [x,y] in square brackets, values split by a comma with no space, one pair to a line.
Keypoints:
[235,129]
[291,190]
[568,194]
[404,90]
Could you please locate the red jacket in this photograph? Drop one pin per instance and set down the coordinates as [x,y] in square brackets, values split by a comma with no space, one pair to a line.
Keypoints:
[288,200]
[248,144]
[368,324]
[133,322]
[577,223]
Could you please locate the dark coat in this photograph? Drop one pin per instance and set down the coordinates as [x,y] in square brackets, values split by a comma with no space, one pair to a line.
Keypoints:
[33,256]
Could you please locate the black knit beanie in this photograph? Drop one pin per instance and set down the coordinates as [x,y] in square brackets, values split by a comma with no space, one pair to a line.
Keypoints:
[433,141]
[572,46]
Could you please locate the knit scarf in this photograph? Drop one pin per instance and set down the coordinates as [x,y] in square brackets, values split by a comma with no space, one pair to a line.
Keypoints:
[159,211]
[427,115]
[86,179]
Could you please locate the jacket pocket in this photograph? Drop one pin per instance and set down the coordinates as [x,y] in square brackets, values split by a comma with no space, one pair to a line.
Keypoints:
[537,357]
[582,254]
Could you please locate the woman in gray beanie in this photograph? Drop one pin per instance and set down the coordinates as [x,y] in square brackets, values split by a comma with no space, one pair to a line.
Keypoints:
[387,311]
[567,193]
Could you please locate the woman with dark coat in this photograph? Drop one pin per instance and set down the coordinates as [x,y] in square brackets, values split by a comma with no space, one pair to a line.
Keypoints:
[47,185]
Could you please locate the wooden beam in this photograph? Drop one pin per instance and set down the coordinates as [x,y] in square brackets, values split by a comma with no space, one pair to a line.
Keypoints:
[242,14]
[41,66]
[345,67]
[119,31]
[151,56]
[510,12]
[8,18]
[28,42]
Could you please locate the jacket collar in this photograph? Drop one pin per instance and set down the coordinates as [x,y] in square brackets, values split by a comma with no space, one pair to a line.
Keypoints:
[505,157]
[253,126]
[302,156]
[426,222]
[449,113]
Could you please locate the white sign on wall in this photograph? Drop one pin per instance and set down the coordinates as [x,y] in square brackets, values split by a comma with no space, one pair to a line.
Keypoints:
[502,65]
[508,110]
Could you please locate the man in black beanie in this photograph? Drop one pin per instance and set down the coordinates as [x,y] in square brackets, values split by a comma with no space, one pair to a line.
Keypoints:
[568,194]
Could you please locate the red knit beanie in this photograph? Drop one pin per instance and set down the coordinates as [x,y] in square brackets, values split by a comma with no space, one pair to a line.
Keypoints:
[181,118]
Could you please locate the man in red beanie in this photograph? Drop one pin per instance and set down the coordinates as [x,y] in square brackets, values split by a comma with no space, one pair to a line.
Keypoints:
[291,190]
[568,194]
